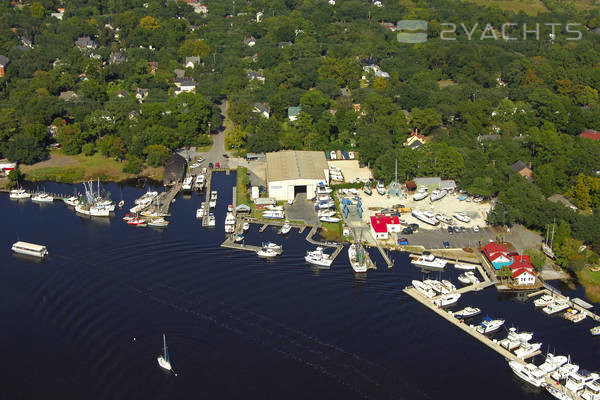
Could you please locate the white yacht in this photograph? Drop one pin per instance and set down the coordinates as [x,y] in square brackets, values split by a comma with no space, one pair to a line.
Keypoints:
[521,337]
[266,252]
[158,223]
[468,278]
[465,267]
[577,380]
[447,299]
[323,189]
[556,307]
[318,257]
[380,188]
[461,217]
[595,331]
[146,198]
[326,213]
[42,198]
[213,199]
[561,374]
[246,226]
[527,349]
[467,312]
[359,257]
[489,325]
[72,201]
[429,261]
[163,360]
[421,194]
[552,363]
[449,285]
[272,246]
[591,391]
[443,218]
[200,181]
[543,301]
[229,223]
[423,289]
[421,216]
[557,392]
[330,219]
[19,194]
[286,228]
[211,220]
[200,211]
[437,195]
[187,184]
[436,286]
[528,372]
[273,214]
[30,249]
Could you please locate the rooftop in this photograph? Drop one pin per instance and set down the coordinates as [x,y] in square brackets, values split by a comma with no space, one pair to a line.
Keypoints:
[380,222]
[290,164]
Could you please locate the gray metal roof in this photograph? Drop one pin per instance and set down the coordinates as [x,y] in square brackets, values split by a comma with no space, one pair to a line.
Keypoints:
[290,165]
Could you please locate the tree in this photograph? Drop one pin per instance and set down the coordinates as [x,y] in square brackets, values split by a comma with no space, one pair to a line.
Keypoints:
[425,119]
[149,23]
[133,165]
[25,148]
[37,10]
[194,47]
[236,138]
[156,154]
[15,176]
[537,258]
[88,149]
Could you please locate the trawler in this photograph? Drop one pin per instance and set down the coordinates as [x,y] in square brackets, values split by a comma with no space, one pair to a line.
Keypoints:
[528,372]
[359,258]
[42,198]
[19,194]
[447,299]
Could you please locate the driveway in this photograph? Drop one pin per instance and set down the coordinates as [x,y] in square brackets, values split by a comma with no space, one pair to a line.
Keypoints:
[302,209]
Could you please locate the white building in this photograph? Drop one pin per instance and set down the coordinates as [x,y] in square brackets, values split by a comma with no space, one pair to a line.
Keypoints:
[523,276]
[291,172]
[383,225]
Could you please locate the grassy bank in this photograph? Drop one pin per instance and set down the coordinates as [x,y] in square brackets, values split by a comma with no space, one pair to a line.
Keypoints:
[69,169]
[242,195]
[591,282]
[332,231]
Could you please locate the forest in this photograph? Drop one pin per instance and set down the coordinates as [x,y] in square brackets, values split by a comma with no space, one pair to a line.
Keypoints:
[481,104]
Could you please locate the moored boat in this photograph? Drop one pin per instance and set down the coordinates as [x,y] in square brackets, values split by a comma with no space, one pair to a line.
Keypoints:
[266,252]
[465,267]
[318,257]
[429,261]
[543,301]
[447,299]
[246,226]
[423,288]
[489,325]
[42,198]
[18,194]
[528,372]
[527,349]
[552,363]
[158,223]
[72,201]
[595,331]
[285,229]
[359,258]
[467,312]
[238,238]
[30,249]
[556,307]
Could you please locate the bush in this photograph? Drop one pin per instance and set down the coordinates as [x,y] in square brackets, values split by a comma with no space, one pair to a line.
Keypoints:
[133,165]
[88,149]
[156,154]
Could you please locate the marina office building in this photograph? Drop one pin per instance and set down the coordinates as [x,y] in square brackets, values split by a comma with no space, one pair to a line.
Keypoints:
[292,172]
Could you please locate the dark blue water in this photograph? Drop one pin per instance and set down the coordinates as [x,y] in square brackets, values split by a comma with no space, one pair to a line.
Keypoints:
[237,326]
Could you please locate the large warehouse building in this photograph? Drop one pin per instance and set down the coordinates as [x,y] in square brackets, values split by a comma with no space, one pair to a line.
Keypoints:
[291,172]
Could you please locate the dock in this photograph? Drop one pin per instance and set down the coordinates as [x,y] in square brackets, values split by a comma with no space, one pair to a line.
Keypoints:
[164,200]
[230,244]
[208,178]
[576,303]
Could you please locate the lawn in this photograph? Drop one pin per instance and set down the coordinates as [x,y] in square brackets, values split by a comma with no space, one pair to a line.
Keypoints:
[531,7]
[242,195]
[64,168]
[591,281]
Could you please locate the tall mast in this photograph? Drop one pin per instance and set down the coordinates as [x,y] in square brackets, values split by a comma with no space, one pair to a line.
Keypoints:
[165,348]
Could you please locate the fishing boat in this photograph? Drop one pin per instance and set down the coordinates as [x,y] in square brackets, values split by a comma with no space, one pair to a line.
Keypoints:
[158,223]
[423,288]
[447,299]
[552,363]
[30,249]
[489,325]
[556,392]
[163,360]
[380,188]
[72,201]
[18,194]
[437,194]
[421,216]
[239,238]
[521,337]
[199,182]
[367,190]
[286,228]
[543,301]
[42,198]
[318,257]
[556,307]
[246,226]
[527,349]
[229,223]
[595,331]
[461,217]
[330,219]
[137,222]
[467,312]
[186,186]
[429,261]
[528,372]
[465,267]
[359,258]
[266,252]
[92,210]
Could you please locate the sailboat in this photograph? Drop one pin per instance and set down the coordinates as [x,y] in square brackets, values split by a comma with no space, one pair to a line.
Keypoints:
[163,359]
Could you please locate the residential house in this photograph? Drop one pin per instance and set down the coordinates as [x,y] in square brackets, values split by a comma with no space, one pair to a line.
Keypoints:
[293,112]
[497,255]
[389,25]
[185,85]
[249,41]
[69,95]
[383,225]
[259,16]
[252,75]
[590,134]
[191,62]
[59,14]
[559,198]
[332,2]
[376,70]
[281,45]
[198,6]
[26,42]
[117,58]
[4,61]
[486,138]
[179,73]
[524,277]
[85,43]
[263,109]
[523,170]
[122,94]
[141,94]
[415,140]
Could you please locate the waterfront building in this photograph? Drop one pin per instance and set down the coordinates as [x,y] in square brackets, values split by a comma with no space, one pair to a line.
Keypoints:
[383,225]
[292,172]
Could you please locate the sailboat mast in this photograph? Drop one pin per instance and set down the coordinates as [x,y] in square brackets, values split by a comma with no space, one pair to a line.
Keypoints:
[165,347]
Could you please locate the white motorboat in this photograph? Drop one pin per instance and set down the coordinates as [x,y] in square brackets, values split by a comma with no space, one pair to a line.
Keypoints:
[163,360]
[213,199]
[274,208]
[326,213]
[272,246]
[429,261]
[465,267]
[591,391]
[229,208]
[467,312]
[521,337]
[436,286]
[437,195]
[543,301]
[105,203]
[318,257]
[595,331]
[380,188]
[158,223]
[527,349]
[187,184]
[200,182]
[421,216]
[552,363]
[19,194]
[92,211]
[273,214]
[577,380]
[359,258]
[323,189]
[528,372]
[30,249]
[211,220]
[229,223]
[468,278]
[575,316]
[561,374]
[421,194]
[326,204]
[239,238]
[461,217]
[146,198]
[489,325]
[42,198]
[449,285]
[246,226]
[266,252]
[423,289]
[330,219]
[286,228]
[200,212]
[447,299]
[509,345]
[443,218]
[558,392]
[72,201]
[323,197]
[556,307]
[121,203]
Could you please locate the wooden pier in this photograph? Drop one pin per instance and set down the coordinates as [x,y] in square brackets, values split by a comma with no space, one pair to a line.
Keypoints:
[230,244]
[208,177]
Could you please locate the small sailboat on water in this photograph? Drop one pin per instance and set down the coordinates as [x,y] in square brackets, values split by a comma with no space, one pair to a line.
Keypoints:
[163,360]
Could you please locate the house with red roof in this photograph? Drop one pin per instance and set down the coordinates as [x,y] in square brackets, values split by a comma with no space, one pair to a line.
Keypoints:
[524,276]
[497,255]
[521,261]
[590,134]
[383,225]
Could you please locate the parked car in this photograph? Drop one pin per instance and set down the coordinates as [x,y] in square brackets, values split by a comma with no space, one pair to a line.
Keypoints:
[447,244]
[403,241]
[414,227]
[450,230]
[225,156]
[210,165]
[217,165]
[407,231]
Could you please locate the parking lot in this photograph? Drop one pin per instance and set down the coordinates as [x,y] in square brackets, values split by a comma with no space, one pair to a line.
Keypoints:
[434,239]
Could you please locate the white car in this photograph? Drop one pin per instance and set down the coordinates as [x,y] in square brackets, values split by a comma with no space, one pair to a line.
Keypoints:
[194,165]
[475,228]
